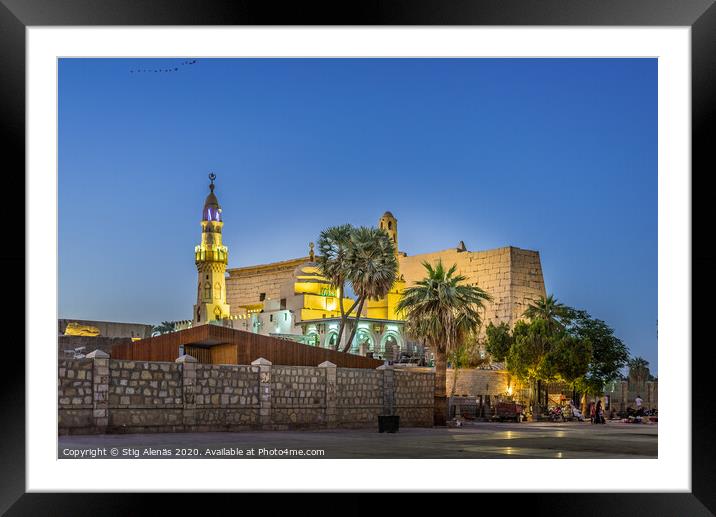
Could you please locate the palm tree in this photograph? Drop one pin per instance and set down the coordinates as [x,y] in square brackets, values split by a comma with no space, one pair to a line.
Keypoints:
[441,310]
[556,316]
[164,328]
[371,267]
[638,369]
[549,309]
[333,245]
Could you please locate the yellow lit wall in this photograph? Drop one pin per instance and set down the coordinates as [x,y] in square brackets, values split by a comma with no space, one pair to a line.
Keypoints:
[385,307]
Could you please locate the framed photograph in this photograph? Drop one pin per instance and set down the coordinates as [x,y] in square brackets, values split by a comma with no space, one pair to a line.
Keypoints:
[362,248]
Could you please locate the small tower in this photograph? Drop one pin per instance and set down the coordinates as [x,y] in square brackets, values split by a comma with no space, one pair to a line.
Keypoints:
[385,308]
[390,224]
[211,258]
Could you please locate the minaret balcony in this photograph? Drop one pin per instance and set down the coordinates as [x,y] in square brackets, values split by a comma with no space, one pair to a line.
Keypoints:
[213,254]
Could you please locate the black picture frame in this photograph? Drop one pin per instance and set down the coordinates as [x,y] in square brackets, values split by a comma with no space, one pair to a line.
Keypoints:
[700,15]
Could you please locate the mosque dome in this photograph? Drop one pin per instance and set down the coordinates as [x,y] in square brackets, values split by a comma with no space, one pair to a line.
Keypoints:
[388,214]
[212,209]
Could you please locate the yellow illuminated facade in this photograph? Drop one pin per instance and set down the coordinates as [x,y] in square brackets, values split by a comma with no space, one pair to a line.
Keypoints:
[315,296]
[211,257]
[384,308]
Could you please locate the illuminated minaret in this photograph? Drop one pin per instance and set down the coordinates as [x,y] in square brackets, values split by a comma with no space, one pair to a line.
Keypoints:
[211,258]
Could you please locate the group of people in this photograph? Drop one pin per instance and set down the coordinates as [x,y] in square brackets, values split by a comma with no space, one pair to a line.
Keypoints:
[596,412]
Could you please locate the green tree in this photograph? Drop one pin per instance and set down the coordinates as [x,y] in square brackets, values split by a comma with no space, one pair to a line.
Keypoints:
[560,343]
[544,350]
[499,340]
[569,359]
[333,246]
[526,358]
[371,267]
[609,353]
[441,310]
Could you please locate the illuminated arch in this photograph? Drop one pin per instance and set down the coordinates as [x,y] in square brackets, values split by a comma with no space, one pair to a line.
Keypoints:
[391,344]
[313,338]
[331,339]
[363,342]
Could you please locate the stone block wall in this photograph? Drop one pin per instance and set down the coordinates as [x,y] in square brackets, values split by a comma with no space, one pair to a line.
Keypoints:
[298,396]
[526,281]
[472,382]
[414,395]
[97,395]
[76,396]
[623,393]
[226,396]
[244,285]
[144,395]
[359,396]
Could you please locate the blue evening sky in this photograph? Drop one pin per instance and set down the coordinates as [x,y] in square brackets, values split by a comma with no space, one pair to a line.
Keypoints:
[554,155]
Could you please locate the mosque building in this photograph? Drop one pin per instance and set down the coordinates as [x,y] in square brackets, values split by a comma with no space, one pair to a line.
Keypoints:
[291,300]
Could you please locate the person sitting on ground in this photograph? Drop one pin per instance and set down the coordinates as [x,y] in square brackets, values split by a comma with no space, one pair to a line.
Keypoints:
[576,413]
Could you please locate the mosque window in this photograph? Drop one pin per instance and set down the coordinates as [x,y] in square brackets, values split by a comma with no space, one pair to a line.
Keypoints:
[262,297]
[217,290]
[390,225]
[271,318]
[207,290]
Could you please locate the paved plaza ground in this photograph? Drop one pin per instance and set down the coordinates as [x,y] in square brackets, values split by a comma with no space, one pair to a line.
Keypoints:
[473,440]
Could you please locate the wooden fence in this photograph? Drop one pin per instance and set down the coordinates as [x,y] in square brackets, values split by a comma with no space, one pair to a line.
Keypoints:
[222,345]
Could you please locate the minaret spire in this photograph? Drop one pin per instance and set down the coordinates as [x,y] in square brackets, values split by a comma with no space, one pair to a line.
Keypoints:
[211,257]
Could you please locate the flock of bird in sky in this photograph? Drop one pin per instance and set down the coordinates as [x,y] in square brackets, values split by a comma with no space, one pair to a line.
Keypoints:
[173,69]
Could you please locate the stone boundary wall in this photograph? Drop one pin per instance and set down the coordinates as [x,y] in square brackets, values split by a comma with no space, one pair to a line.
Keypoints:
[102,395]
[472,382]
[359,397]
[75,399]
[623,394]
[144,395]
[414,396]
